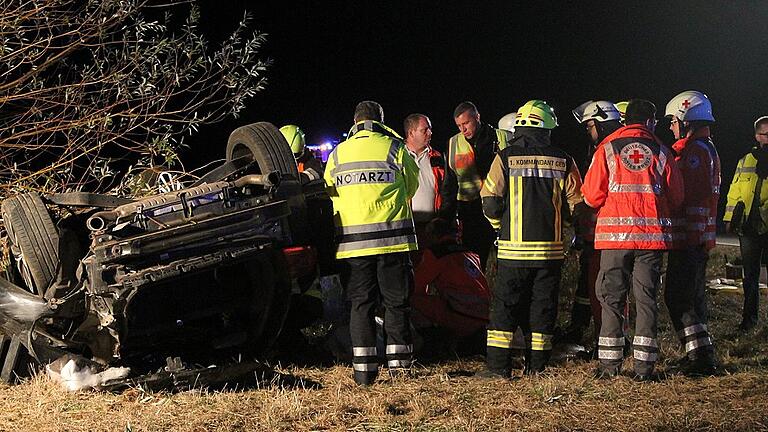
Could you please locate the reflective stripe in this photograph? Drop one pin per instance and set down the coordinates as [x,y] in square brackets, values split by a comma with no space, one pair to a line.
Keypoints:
[692,330]
[746,170]
[646,356]
[638,221]
[729,209]
[520,255]
[363,351]
[711,221]
[365,367]
[582,301]
[375,227]
[399,363]
[710,236]
[645,341]
[541,342]
[696,226]
[357,166]
[611,341]
[533,172]
[399,349]
[384,242]
[604,354]
[499,339]
[701,211]
[698,343]
[716,189]
[623,237]
[634,188]
[537,246]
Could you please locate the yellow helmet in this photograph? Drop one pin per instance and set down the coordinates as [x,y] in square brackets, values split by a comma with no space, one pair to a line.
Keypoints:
[622,106]
[536,113]
[295,137]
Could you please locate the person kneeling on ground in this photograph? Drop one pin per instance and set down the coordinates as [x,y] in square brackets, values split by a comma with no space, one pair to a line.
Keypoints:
[451,294]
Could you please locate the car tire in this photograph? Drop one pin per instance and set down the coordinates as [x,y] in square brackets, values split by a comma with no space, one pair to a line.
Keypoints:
[15,361]
[264,142]
[34,239]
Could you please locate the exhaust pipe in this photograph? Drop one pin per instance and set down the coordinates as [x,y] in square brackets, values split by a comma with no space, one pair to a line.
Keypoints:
[100,220]
[271,179]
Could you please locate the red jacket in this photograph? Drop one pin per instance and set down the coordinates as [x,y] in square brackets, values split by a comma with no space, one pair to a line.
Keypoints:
[455,275]
[637,188]
[438,169]
[699,163]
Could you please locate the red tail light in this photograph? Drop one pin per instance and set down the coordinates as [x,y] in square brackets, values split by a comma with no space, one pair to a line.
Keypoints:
[302,260]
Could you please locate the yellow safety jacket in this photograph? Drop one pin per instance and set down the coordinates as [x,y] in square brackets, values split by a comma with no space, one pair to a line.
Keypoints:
[371,178]
[525,194]
[461,159]
[743,187]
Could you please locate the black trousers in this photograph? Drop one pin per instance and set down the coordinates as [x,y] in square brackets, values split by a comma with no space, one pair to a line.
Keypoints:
[385,279]
[753,249]
[616,266]
[477,233]
[581,312]
[686,299]
[526,298]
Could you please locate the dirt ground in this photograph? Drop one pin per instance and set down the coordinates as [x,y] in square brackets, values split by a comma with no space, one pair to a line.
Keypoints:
[440,396]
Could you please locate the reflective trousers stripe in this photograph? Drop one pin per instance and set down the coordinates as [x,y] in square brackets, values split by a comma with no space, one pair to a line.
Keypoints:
[399,363]
[698,343]
[582,301]
[692,330]
[607,354]
[499,339]
[374,227]
[624,237]
[645,341]
[517,255]
[365,367]
[399,349]
[646,356]
[639,221]
[611,341]
[541,342]
[363,351]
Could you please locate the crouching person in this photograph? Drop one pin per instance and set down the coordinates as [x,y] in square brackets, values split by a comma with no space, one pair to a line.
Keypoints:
[450,292]
[527,187]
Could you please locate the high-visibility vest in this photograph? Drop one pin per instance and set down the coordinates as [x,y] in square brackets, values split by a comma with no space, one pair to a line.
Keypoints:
[699,163]
[743,188]
[536,184]
[461,159]
[638,190]
[370,177]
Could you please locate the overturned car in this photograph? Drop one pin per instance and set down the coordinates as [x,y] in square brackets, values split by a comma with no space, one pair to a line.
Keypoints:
[198,274]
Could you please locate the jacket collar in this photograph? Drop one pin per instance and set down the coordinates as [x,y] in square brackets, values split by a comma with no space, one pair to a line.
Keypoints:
[701,134]
[373,126]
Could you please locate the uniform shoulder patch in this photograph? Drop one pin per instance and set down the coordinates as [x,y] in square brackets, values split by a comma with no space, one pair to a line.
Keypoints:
[693,160]
[636,156]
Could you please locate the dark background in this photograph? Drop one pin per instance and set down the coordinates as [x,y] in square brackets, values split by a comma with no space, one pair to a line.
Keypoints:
[427,56]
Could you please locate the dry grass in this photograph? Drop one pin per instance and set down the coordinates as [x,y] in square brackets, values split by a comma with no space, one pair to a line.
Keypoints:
[438,397]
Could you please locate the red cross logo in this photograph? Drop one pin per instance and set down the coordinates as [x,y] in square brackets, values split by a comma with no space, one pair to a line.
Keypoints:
[636,156]
[686,104]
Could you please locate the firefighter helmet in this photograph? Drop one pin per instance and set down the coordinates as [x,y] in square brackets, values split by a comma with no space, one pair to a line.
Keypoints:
[690,105]
[508,122]
[295,137]
[598,111]
[622,107]
[536,113]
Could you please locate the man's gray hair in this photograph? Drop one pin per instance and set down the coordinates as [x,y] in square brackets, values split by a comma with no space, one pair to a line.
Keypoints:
[369,110]
[412,121]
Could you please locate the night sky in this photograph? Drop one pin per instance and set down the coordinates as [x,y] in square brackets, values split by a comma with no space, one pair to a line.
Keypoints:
[427,56]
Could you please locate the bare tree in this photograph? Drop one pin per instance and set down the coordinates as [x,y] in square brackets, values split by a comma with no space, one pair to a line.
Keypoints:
[88,85]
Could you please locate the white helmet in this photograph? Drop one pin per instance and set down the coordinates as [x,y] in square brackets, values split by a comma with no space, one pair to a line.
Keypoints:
[599,111]
[689,106]
[508,122]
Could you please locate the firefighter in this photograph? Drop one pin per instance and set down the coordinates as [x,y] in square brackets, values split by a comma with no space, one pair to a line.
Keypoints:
[637,188]
[747,214]
[528,185]
[370,178]
[307,163]
[690,114]
[600,119]
[470,153]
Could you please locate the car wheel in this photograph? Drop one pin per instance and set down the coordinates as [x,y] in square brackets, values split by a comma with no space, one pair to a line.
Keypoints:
[34,240]
[266,145]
